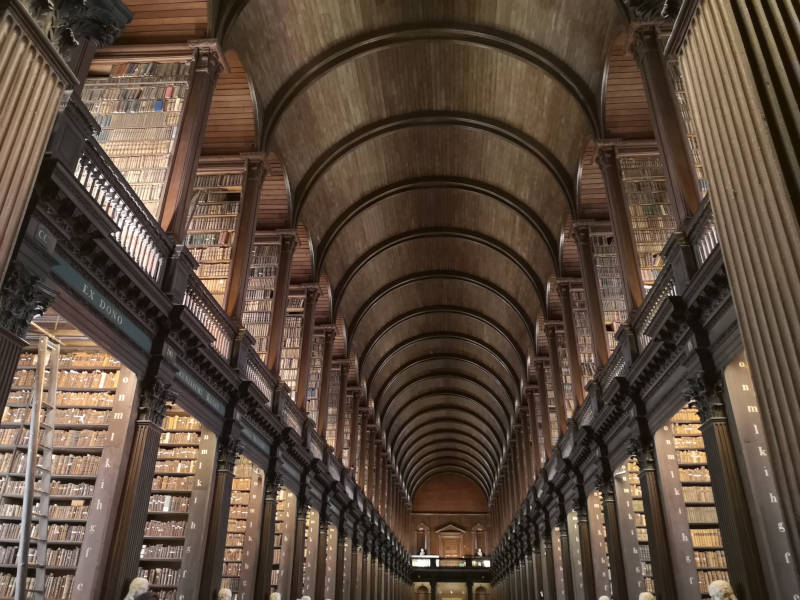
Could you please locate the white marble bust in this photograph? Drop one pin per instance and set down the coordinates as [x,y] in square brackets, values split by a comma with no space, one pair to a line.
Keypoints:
[721,590]
[646,596]
[224,594]
[137,587]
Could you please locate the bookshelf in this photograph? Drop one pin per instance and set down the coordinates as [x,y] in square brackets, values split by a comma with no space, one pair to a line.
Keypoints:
[695,479]
[138,107]
[177,510]
[283,545]
[330,563]
[651,218]
[609,282]
[244,521]
[632,469]
[566,374]
[314,374]
[558,557]
[552,409]
[86,402]
[292,339]
[334,378]
[212,228]
[310,546]
[583,334]
[260,294]
[688,121]
[597,535]
[347,432]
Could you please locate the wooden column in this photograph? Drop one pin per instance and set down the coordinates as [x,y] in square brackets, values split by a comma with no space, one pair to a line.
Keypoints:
[733,510]
[218,521]
[673,143]
[32,80]
[541,391]
[279,303]
[538,588]
[206,67]
[620,221]
[324,383]
[266,540]
[527,472]
[298,557]
[366,570]
[585,546]
[549,567]
[573,355]
[355,567]
[658,540]
[306,344]
[322,557]
[594,303]
[566,560]
[355,435]
[255,167]
[616,551]
[534,408]
[341,400]
[741,85]
[123,560]
[341,548]
[555,370]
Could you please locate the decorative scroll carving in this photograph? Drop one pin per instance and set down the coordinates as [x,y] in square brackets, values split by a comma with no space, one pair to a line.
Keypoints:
[652,10]
[22,298]
[153,402]
[67,22]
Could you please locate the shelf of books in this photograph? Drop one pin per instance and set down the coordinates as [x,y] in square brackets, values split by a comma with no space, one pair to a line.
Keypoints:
[333,406]
[597,536]
[330,563]
[139,107]
[171,554]
[552,409]
[314,374]
[310,546]
[583,333]
[610,286]
[566,374]
[632,469]
[260,294]
[695,478]
[558,559]
[244,522]
[212,227]
[347,431]
[283,546]
[652,221]
[83,398]
[292,339]
[688,121]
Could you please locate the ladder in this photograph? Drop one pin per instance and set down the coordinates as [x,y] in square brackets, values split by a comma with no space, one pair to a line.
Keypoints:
[35,515]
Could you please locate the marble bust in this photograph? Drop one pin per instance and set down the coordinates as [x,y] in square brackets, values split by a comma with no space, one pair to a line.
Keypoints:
[721,590]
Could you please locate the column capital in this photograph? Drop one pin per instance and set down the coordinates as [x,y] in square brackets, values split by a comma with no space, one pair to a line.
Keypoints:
[153,401]
[22,297]
[709,396]
[208,56]
[644,40]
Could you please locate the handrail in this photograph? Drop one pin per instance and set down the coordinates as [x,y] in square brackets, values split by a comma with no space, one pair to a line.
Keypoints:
[257,372]
[139,234]
[293,416]
[663,288]
[202,305]
[703,233]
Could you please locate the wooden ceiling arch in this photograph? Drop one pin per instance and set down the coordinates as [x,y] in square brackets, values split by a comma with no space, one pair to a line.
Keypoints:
[433,150]
[448,467]
[434,366]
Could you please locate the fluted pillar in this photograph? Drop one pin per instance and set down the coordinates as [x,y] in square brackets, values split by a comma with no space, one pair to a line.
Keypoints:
[306,345]
[594,303]
[279,302]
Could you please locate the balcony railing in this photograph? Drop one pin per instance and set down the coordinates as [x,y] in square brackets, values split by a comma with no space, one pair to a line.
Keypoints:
[202,305]
[258,374]
[293,416]
[703,233]
[139,235]
[424,561]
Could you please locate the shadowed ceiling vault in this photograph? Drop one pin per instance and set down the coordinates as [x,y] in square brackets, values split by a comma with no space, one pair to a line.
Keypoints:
[433,149]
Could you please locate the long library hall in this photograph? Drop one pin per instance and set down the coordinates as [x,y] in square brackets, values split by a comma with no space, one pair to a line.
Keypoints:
[399,300]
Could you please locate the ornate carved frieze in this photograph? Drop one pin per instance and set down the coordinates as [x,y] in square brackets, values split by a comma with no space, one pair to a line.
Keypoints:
[22,298]
[67,22]
[652,10]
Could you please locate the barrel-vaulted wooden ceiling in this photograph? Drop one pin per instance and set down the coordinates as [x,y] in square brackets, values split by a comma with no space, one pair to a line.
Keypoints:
[432,150]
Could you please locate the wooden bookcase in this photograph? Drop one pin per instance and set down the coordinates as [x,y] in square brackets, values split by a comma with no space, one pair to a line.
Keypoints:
[314,374]
[597,536]
[310,546]
[610,286]
[632,468]
[212,227]
[171,556]
[83,419]
[558,558]
[583,334]
[244,521]
[334,378]
[552,409]
[292,340]
[651,218]
[566,374]
[284,542]
[695,479]
[347,430]
[260,293]
[139,108]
